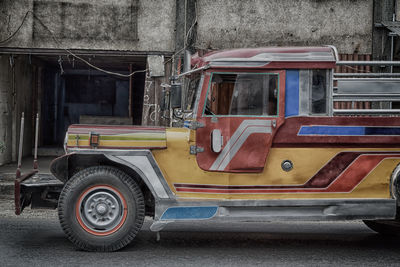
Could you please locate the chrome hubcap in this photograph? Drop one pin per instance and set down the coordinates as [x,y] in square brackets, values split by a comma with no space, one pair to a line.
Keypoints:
[101,209]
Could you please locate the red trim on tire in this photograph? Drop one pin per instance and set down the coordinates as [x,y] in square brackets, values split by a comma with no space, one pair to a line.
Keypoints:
[82,224]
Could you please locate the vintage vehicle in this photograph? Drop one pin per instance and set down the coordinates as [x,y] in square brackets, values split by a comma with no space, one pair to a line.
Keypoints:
[260,141]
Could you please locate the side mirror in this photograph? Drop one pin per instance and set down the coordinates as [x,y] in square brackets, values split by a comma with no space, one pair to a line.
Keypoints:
[217,140]
[176,95]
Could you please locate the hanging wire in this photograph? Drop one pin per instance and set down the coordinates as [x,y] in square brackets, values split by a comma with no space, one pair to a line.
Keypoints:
[65,49]
[19,27]
[60,63]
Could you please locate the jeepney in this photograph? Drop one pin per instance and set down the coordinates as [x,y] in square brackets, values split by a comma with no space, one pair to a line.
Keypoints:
[259,140]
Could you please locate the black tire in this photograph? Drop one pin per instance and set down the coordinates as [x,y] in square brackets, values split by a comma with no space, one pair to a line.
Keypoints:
[101,209]
[386,228]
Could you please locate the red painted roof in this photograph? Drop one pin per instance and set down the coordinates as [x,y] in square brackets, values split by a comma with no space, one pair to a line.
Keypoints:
[267,54]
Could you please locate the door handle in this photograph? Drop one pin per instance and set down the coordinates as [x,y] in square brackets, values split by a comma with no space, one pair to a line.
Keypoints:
[217,140]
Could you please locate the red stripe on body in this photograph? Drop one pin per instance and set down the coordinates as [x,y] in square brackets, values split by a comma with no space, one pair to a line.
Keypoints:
[344,183]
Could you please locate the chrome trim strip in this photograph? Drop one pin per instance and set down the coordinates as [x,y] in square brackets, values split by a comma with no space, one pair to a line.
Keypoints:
[335,52]
[369,63]
[303,56]
[197,97]
[288,209]
[365,111]
[144,165]
[239,64]
[143,162]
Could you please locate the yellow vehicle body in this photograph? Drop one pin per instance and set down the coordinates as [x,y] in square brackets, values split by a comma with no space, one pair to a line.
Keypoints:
[178,166]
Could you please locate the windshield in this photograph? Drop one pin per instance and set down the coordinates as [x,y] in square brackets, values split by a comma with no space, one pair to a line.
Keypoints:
[243,94]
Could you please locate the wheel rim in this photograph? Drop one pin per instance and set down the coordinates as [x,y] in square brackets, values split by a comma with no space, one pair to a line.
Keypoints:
[101,210]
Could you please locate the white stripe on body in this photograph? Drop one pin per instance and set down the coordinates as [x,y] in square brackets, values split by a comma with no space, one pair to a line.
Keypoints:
[245,129]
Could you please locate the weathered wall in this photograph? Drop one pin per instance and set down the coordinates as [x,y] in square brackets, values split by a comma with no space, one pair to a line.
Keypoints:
[133,25]
[152,114]
[346,24]
[6,101]
[15,98]
[397,6]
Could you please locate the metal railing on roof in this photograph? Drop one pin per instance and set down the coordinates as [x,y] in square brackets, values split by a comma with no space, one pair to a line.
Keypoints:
[367,87]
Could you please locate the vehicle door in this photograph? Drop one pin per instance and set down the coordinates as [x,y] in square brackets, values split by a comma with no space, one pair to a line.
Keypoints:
[239,114]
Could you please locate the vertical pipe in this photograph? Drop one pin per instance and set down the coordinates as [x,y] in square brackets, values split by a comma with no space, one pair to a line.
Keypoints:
[186,62]
[21,143]
[55,106]
[14,127]
[156,105]
[130,93]
[186,67]
[391,52]
[185,26]
[35,162]
[392,43]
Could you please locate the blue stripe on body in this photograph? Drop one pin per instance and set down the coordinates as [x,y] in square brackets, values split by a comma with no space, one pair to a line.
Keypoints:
[332,130]
[382,131]
[188,213]
[347,130]
[292,93]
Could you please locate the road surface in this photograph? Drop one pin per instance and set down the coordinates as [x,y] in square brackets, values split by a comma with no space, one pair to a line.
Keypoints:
[36,239]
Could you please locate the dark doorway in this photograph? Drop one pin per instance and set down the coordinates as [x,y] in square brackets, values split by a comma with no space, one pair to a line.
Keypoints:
[77,94]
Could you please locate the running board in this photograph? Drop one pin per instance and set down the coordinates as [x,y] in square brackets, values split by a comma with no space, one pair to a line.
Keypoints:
[273,210]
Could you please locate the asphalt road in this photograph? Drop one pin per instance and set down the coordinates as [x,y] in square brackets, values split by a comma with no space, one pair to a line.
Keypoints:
[36,239]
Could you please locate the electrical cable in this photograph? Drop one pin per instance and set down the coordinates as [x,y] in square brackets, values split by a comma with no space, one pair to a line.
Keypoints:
[19,27]
[67,50]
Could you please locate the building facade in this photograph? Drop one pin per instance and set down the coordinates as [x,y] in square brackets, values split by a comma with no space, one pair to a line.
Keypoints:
[53,53]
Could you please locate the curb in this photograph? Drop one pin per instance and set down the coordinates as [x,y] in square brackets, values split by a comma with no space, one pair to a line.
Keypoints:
[7,185]
[7,177]
[6,188]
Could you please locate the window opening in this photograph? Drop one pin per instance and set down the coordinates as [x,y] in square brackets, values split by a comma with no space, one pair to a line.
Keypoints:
[243,94]
[318,92]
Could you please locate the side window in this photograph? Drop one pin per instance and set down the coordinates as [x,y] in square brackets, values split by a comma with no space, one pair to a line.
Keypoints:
[243,94]
[318,92]
[315,92]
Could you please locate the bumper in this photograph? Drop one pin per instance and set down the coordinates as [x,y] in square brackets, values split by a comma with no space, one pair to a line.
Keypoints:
[37,190]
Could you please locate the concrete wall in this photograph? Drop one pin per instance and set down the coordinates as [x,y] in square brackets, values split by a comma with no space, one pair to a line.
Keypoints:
[149,25]
[6,115]
[397,7]
[346,24]
[15,98]
[133,25]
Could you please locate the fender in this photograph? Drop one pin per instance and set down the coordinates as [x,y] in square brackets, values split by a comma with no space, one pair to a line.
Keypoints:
[140,162]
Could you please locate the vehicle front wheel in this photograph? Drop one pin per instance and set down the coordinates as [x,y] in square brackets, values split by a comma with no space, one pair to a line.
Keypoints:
[101,209]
